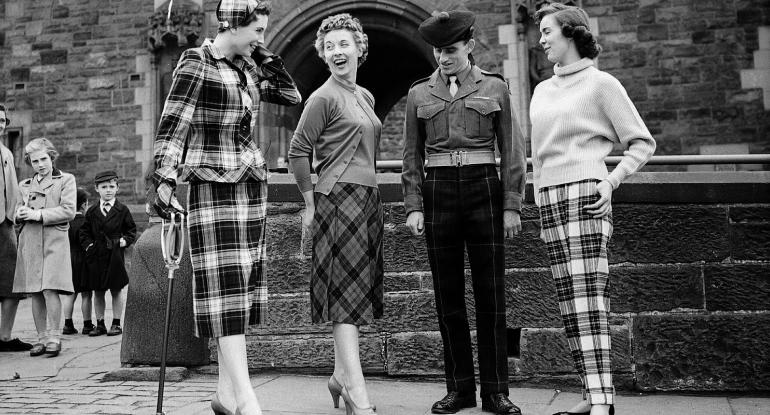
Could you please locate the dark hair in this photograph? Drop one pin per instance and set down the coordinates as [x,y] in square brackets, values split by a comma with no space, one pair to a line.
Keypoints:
[574,24]
[82,197]
[7,120]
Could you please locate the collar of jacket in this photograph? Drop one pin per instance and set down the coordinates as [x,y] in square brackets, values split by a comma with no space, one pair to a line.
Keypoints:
[439,88]
[239,61]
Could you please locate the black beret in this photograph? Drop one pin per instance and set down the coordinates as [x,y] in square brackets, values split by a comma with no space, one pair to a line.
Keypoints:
[445,28]
[105,176]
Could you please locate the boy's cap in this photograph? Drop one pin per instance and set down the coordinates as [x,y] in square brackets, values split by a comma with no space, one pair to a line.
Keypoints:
[105,176]
[445,28]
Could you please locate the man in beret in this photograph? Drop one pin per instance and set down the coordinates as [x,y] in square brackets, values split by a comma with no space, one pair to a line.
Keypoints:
[454,118]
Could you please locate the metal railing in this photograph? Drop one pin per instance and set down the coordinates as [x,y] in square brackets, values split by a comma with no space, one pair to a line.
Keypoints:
[655,160]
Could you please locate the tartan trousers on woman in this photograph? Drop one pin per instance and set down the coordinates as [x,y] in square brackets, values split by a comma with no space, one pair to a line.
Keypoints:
[577,250]
[227,250]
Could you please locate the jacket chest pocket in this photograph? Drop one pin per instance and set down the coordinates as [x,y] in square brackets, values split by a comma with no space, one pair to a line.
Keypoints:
[480,117]
[435,123]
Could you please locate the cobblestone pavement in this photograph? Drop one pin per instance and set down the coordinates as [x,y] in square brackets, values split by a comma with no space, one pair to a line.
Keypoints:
[72,383]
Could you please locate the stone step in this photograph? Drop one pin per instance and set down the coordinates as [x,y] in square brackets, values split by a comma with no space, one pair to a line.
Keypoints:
[544,352]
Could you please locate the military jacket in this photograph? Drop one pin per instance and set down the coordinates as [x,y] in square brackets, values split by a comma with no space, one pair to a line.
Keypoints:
[477,117]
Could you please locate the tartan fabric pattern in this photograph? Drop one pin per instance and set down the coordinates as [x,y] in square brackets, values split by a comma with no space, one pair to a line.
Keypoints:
[577,250]
[226,222]
[346,284]
[235,11]
[464,209]
[210,114]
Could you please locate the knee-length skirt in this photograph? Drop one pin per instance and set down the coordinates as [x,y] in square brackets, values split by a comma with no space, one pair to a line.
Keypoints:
[227,250]
[346,284]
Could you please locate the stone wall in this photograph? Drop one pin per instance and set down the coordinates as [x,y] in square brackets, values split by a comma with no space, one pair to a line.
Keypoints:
[690,291]
[79,72]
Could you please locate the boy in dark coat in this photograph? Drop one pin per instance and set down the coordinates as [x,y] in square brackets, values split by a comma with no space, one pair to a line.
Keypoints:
[79,272]
[107,231]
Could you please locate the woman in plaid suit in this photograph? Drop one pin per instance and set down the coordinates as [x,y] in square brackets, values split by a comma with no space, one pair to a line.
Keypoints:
[208,124]
[578,115]
[340,128]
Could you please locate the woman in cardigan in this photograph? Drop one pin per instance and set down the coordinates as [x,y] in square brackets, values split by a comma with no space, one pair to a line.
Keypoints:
[578,115]
[44,209]
[209,119]
[340,127]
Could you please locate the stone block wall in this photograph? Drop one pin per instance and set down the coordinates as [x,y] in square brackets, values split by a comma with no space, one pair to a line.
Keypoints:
[69,73]
[79,72]
[690,292]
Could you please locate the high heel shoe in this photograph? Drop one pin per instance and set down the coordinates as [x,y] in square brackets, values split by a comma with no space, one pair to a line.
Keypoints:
[335,390]
[217,406]
[351,408]
[588,412]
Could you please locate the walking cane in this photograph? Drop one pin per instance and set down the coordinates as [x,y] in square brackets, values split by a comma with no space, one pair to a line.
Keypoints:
[172,245]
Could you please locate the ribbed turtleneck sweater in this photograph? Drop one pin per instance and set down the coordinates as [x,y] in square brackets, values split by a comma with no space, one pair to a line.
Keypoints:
[578,115]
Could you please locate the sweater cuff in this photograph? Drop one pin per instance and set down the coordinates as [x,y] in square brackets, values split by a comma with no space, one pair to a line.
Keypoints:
[512,201]
[614,180]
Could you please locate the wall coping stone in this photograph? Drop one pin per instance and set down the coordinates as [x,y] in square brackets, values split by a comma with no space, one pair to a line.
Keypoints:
[642,187]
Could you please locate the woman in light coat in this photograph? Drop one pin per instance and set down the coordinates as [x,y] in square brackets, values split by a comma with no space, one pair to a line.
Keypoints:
[45,207]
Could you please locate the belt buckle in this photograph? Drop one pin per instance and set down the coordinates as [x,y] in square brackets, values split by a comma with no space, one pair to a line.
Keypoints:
[458,158]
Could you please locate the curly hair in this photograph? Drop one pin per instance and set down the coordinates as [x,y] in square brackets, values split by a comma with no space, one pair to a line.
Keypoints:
[347,22]
[574,24]
[40,144]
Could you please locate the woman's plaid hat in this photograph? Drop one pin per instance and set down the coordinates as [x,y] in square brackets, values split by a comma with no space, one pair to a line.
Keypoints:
[230,13]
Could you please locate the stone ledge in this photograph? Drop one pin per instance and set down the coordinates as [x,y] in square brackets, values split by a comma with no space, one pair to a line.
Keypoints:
[642,187]
[145,374]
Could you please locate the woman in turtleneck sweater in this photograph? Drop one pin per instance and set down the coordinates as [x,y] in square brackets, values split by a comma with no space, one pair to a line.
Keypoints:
[578,116]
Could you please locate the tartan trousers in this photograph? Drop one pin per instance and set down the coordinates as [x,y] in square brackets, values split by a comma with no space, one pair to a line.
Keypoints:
[577,250]
[464,208]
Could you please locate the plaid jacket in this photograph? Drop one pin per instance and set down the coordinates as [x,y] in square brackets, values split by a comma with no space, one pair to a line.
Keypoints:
[210,114]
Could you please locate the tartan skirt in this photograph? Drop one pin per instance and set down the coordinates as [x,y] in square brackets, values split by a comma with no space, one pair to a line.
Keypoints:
[227,249]
[577,250]
[346,284]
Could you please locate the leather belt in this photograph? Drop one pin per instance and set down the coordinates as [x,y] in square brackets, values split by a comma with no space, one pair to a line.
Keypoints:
[460,158]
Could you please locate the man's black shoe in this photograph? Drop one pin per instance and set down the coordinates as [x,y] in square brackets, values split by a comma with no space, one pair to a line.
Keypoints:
[14,345]
[453,402]
[498,403]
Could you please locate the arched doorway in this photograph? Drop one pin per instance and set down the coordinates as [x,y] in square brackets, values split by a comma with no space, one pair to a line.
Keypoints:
[397,58]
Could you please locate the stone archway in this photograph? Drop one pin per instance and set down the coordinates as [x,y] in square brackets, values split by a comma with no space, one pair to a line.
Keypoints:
[397,58]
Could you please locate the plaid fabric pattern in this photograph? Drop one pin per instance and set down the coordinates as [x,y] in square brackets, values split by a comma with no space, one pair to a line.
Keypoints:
[233,12]
[210,114]
[346,284]
[464,208]
[227,234]
[577,250]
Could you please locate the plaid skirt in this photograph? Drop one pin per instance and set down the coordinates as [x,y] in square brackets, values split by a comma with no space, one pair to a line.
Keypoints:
[227,249]
[577,250]
[346,284]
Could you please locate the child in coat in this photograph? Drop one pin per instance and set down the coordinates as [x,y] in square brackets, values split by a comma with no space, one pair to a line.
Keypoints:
[79,279]
[107,231]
